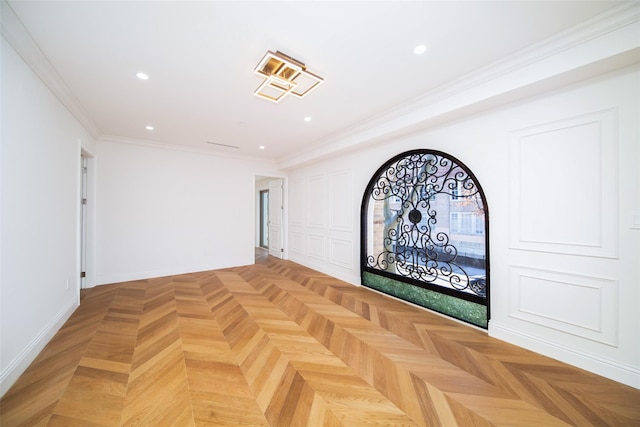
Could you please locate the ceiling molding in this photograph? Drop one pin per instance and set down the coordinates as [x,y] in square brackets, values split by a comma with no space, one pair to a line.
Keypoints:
[19,38]
[183,148]
[613,34]
[566,56]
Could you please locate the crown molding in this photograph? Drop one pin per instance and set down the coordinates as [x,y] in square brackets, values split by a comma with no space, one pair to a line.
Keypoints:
[603,43]
[19,38]
[114,139]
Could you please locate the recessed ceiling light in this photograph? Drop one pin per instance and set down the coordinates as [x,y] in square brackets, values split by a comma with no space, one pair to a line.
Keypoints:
[307,119]
[149,127]
[420,49]
[142,76]
[261,147]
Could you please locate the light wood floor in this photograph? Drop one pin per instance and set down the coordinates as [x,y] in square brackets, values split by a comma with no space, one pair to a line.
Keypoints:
[277,344]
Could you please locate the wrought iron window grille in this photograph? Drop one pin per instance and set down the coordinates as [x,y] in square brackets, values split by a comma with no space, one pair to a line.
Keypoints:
[408,229]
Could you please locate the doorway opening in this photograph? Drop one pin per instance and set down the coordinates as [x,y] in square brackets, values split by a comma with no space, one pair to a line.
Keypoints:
[264,219]
[269,216]
[83,220]
[86,221]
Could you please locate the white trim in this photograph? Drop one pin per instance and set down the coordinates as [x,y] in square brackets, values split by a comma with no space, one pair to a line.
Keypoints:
[609,37]
[604,43]
[603,236]
[19,38]
[92,194]
[152,274]
[177,147]
[328,268]
[612,369]
[22,361]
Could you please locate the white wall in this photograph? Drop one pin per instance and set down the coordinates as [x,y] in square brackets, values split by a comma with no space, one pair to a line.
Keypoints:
[560,172]
[40,178]
[324,209]
[163,211]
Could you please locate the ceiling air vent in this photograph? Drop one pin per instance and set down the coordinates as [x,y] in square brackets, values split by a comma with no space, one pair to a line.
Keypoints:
[219,144]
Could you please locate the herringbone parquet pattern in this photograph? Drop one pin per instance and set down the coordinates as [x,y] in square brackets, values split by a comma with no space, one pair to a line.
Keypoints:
[276,344]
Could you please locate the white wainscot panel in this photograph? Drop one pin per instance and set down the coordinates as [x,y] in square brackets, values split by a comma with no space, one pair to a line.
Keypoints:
[315,201]
[340,251]
[340,204]
[583,306]
[315,246]
[297,201]
[563,185]
[297,242]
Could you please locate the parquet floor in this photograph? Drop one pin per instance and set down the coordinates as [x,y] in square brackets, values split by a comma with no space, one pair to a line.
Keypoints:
[277,344]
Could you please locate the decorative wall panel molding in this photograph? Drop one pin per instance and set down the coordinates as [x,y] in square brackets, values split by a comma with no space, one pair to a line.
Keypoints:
[297,202]
[583,306]
[315,246]
[340,251]
[340,192]
[315,201]
[563,185]
[297,242]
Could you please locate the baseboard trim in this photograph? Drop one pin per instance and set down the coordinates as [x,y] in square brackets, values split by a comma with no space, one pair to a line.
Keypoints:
[625,374]
[22,361]
[151,274]
[328,269]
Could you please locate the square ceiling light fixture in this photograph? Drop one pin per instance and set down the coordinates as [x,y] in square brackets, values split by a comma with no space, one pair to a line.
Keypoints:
[284,76]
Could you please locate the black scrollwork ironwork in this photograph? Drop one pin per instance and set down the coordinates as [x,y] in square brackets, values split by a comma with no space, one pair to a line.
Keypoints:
[416,242]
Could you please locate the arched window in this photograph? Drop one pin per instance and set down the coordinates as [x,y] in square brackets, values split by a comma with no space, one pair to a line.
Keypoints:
[425,235]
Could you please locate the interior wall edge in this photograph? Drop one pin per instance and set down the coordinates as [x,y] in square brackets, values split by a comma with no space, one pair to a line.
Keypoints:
[19,38]
[352,279]
[20,363]
[616,371]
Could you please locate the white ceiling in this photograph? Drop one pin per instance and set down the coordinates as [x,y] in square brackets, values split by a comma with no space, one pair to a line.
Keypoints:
[200,58]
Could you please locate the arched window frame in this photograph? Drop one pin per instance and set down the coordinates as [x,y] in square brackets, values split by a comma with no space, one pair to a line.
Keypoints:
[441,174]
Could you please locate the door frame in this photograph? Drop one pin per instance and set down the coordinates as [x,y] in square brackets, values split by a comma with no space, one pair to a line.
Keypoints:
[90,217]
[263,228]
[265,178]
